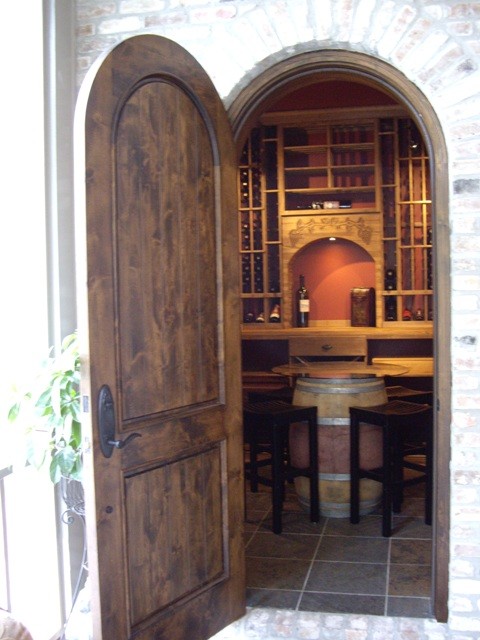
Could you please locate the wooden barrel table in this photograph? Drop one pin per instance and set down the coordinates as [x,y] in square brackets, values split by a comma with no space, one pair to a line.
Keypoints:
[333,388]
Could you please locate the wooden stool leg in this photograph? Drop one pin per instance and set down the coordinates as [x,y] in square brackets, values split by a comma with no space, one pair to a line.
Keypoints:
[278,478]
[354,470]
[396,453]
[387,483]
[313,451]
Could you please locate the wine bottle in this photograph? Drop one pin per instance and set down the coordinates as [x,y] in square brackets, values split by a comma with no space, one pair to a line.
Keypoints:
[275,314]
[390,308]
[303,304]
[390,280]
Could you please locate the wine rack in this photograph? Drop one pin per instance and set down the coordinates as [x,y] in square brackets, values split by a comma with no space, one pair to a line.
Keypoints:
[260,253]
[331,166]
[375,164]
[407,224]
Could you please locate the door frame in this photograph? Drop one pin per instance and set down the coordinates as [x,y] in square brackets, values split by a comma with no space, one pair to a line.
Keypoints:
[300,70]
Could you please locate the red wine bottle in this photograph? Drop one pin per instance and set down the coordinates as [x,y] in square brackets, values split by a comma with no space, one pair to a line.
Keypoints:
[303,304]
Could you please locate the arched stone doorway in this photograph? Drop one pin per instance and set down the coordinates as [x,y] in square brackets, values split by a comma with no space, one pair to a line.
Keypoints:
[295,72]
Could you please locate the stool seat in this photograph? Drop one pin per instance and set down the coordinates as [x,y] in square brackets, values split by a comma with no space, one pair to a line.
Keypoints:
[280,409]
[283,393]
[397,392]
[401,422]
[266,426]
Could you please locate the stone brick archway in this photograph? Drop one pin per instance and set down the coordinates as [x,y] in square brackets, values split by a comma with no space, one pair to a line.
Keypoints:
[293,73]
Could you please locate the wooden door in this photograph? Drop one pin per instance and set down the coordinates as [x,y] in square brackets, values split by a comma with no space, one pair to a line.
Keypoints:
[161,343]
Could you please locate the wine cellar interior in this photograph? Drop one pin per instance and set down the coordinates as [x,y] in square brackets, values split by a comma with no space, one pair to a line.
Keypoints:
[356,176]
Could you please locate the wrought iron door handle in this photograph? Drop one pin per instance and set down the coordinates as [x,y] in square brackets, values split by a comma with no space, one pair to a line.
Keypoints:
[119,444]
[106,423]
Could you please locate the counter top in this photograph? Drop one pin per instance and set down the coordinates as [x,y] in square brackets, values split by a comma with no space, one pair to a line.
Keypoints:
[333,370]
[418,332]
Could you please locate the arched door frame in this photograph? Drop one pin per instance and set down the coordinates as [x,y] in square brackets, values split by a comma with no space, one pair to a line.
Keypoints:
[303,69]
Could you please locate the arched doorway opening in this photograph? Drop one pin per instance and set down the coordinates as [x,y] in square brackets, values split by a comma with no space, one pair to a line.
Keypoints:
[294,73]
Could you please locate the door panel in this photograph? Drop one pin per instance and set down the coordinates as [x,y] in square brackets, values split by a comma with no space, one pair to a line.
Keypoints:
[178,550]
[167,299]
[160,328]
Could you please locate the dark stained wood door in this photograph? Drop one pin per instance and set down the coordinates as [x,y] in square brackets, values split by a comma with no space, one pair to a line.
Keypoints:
[161,347]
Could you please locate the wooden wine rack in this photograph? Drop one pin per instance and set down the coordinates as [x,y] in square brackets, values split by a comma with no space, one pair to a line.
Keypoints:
[333,166]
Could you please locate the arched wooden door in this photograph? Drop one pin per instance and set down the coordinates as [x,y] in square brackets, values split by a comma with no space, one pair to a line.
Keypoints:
[160,347]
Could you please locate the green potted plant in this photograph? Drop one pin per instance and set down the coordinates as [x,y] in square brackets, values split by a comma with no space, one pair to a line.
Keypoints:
[49,414]
[47,417]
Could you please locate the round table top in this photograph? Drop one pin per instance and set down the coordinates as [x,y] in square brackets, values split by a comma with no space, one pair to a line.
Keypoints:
[338,369]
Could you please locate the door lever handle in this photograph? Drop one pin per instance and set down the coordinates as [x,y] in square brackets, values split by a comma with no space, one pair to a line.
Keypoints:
[119,444]
[106,423]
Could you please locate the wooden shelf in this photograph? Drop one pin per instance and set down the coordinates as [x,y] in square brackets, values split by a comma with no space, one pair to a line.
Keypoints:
[365,158]
[415,331]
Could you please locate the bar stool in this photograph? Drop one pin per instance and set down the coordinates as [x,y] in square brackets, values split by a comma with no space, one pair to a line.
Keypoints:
[398,392]
[401,422]
[266,425]
[283,393]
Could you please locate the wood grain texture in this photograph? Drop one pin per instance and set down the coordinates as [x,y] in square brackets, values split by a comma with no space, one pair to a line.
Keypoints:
[165,513]
[174,531]
[168,300]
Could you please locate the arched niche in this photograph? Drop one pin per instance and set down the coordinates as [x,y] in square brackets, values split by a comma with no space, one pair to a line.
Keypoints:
[279,78]
[334,266]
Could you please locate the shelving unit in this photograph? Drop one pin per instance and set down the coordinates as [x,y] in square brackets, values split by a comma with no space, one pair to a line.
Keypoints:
[407,222]
[332,167]
[260,254]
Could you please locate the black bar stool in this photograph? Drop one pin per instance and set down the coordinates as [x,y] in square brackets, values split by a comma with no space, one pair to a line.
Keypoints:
[401,422]
[266,425]
[417,446]
[285,394]
[398,392]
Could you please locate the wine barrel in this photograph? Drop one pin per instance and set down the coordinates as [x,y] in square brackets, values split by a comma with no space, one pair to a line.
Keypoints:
[333,397]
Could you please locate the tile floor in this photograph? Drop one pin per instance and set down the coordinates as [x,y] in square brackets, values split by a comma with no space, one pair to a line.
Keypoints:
[334,566]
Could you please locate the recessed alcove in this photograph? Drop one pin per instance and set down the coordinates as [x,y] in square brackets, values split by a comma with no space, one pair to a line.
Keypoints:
[302,84]
[332,268]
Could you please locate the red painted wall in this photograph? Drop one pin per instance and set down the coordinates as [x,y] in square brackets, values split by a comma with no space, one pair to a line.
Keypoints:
[331,94]
[332,270]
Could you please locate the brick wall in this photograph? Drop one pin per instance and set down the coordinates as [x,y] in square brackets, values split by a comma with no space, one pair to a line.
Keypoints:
[436,45]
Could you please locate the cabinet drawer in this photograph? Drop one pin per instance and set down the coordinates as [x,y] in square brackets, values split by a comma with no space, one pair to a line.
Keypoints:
[354,346]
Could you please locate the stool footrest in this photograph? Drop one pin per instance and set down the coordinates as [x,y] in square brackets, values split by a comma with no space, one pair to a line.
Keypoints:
[266,425]
[400,422]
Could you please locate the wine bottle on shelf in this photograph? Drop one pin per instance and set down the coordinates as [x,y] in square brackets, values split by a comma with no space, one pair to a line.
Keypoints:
[390,280]
[303,304]
[390,308]
[275,314]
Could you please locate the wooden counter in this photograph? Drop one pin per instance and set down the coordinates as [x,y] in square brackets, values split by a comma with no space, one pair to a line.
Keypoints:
[416,367]
[264,348]
[397,332]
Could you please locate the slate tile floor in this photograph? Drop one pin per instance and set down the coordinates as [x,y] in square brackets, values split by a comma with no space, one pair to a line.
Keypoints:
[334,566]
